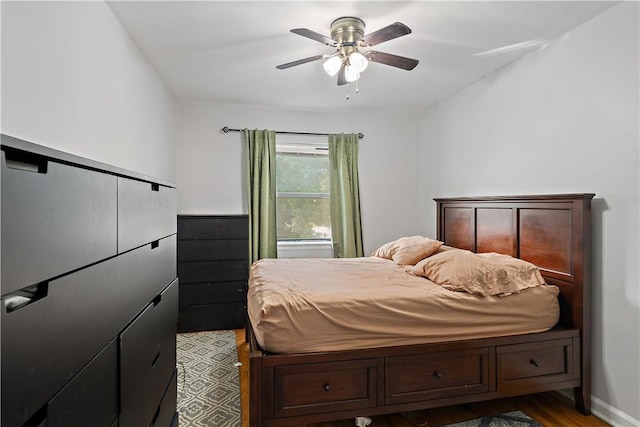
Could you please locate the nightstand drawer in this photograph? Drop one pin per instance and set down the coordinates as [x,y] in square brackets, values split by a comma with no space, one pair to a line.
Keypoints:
[536,363]
[329,387]
[433,376]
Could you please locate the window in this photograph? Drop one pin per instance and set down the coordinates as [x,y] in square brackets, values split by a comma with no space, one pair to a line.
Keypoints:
[302,192]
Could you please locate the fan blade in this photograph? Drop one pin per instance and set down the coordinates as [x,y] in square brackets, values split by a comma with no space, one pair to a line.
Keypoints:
[304,32]
[393,60]
[299,62]
[342,76]
[389,32]
[512,47]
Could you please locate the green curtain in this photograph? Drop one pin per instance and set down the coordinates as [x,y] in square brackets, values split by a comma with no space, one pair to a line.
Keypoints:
[261,193]
[346,229]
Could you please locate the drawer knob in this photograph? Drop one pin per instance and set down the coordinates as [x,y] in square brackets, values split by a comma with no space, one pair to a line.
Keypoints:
[327,388]
[534,362]
[437,374]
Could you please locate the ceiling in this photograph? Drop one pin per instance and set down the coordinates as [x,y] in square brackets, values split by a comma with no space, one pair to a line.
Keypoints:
[228,50]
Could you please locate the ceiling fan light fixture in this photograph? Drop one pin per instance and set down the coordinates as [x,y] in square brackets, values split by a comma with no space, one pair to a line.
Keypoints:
[351,73]
[358,61]
[347,38]
[332,65]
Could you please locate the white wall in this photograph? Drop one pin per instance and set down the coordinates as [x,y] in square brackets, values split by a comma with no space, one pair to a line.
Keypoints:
[210,175]
[73,80]
[563,119]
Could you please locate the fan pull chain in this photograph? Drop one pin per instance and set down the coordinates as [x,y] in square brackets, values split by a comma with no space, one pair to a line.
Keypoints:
[349,89]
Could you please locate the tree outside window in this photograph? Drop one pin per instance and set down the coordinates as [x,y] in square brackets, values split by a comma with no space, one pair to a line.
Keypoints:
[302,193]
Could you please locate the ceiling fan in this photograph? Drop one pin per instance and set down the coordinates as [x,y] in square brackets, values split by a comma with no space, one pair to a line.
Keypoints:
[348,61]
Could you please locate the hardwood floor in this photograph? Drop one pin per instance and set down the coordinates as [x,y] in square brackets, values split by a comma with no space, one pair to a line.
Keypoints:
[551,409]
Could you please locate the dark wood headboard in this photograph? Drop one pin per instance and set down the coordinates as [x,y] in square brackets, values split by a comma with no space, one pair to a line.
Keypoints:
[551,231]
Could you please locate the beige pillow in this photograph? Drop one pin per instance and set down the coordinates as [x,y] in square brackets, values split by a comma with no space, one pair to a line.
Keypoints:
[408,250]
[444,248]
[481,274]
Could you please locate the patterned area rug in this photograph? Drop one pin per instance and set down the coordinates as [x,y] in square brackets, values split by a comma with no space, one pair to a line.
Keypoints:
[508,419]
[208,381]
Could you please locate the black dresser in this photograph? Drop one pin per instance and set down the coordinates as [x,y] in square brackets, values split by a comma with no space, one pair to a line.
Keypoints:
[89,292]
[213,266]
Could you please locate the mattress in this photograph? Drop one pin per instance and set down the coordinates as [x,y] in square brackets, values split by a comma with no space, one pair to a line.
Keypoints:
[327,304]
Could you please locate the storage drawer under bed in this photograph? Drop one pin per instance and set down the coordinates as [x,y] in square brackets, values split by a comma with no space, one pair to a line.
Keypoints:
[420,377]
[331,386]
[524,365]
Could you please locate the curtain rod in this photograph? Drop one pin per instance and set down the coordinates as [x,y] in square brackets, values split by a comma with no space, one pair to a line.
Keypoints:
[227,130]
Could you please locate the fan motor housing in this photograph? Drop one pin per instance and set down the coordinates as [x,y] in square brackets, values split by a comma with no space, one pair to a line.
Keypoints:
[347,29]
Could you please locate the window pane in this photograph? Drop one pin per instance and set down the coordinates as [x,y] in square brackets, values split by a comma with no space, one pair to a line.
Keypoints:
[302,174]
[303,218]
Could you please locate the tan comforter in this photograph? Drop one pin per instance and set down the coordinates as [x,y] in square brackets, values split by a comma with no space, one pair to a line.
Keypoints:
[314,305]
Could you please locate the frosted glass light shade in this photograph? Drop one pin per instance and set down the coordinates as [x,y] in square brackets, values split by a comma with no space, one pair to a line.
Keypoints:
[358,61]
[351,73]
[332,65]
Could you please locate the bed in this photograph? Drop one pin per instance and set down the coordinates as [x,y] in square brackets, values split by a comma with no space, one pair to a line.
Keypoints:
[297,380]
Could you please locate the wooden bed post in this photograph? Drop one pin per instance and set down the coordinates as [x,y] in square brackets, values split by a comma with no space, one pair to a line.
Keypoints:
[582,315]
[255,379]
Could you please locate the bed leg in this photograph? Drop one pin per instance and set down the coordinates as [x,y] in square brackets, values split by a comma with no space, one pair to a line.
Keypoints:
[583,400]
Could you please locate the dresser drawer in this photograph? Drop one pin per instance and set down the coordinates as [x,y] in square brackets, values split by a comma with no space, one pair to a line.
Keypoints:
[207,317]
[324,387]
[91,398]
[148,359]
[213,293]
[55,218]
[437,375]
[146,212]
[166,411]
[45,343]
[213,271]
[206,250]
[213,227]
[142,274]
[525,365]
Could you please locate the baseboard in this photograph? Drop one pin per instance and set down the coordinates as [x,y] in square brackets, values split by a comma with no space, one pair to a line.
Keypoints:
[606,412]
[612,415]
